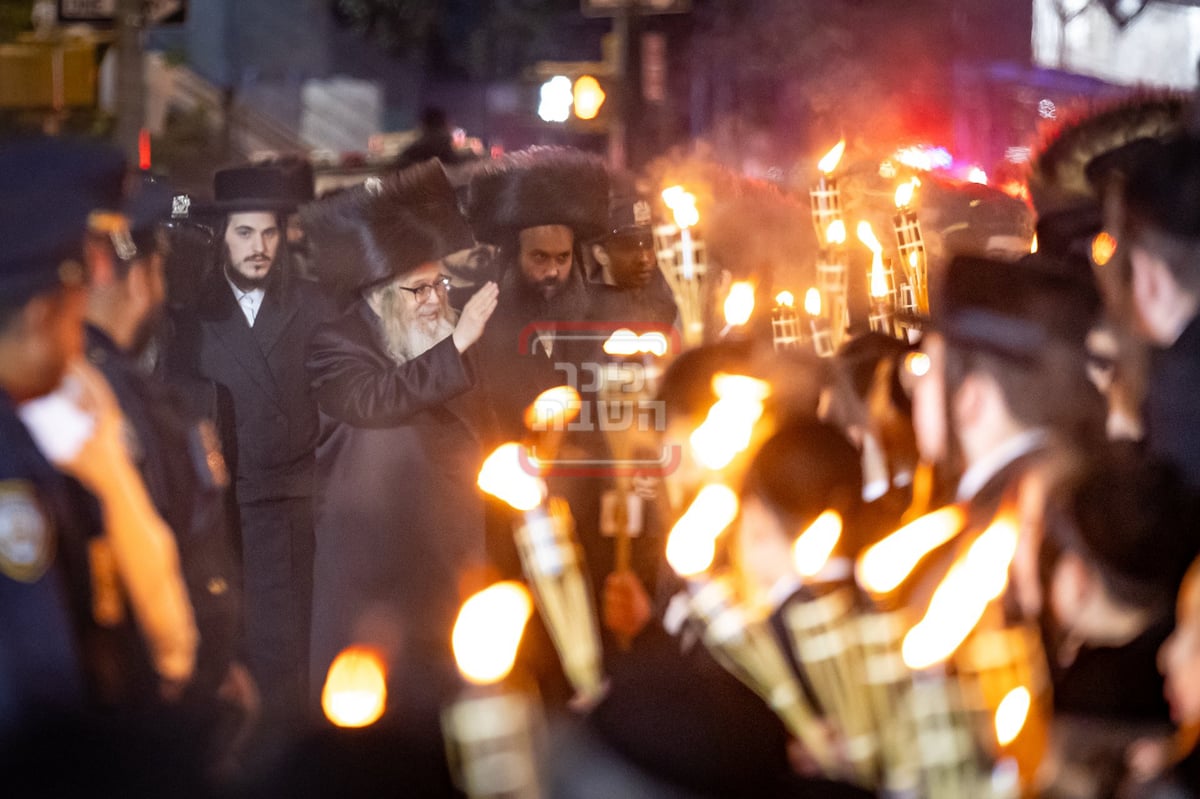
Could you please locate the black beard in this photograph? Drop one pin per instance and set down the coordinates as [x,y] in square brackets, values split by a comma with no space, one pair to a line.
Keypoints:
[529,304]
[247,283]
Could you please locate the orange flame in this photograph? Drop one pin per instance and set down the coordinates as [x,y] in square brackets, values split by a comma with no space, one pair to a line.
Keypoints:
[867,236]
[503,475]
[977,175]
[812,549]
[904,193]
[553,409]
[830,160]
[355,691]
[812,302]
[739,305]
[627,342]
[1011,714]
[729,426]
[883,566]
[692,541]
[1104,247]
[785,299]
[958,604]
[488,631]
[1033,245]
[836,232]
[682,205]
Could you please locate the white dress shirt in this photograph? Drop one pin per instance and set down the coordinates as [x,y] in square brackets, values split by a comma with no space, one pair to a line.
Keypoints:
[990,465]
[249,301]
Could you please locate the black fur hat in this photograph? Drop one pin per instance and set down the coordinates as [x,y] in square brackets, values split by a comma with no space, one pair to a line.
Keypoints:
[387,227]
[539,186]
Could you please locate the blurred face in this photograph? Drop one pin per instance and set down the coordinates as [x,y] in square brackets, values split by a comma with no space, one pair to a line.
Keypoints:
[545,258]
[251,244]
[49,336]
[929,401]
[631,259]
[764,549]
[147,291]
[1179,657]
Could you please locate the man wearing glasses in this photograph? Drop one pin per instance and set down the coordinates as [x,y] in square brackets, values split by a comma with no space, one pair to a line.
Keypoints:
[399,522]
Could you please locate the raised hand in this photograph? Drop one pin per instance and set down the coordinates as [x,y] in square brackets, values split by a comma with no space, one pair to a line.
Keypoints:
[474,316]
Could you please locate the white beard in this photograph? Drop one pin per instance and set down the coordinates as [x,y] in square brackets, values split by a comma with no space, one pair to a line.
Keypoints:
[406,336]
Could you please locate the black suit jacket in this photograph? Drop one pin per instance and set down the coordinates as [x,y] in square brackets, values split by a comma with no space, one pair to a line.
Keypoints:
[268,414]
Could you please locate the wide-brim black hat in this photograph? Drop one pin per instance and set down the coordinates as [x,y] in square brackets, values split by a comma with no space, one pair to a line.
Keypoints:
[1162,189]
[539,186]
[1014,309]
[245,189]
[387,227]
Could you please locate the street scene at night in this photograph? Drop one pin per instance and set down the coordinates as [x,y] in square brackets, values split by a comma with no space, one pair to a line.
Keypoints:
[600,399]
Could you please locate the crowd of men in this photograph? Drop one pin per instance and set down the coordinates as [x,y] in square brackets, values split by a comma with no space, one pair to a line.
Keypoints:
[219,469]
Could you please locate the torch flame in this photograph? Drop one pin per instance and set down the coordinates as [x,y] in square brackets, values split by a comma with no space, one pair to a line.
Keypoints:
[355,692]
[627,342]
[913,259]
[692,541]
[867,236]
[729,427]
[1011,715]
[553,409]
[812,549]
[883,566]
[977,175]
[1033,245]
[904,193]
[739,305]
[959,602]
[504,476]
[785,299]
[830,160]
[488,631]
[682,205]
[812,302]
[836,232]
[879,286]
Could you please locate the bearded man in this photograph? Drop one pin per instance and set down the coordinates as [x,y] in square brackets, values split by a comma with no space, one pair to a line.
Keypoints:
[399,522]
[248,332]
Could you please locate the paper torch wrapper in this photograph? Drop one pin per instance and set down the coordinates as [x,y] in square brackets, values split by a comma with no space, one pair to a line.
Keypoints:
[824,639]
[490,744]
[553,565]
[748,650]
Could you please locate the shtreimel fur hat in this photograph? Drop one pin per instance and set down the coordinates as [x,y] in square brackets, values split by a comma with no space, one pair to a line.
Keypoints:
[387,227]
[539,186]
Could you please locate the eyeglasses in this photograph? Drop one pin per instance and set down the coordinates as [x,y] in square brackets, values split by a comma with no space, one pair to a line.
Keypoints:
[421,293]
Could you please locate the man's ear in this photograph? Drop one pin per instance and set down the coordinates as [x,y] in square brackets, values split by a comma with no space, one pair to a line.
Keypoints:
[969,402]
[601,255]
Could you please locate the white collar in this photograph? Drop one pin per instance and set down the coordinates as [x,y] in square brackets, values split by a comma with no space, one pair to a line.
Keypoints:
[989,465]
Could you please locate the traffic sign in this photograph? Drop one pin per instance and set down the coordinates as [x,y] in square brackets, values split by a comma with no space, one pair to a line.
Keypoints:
[613,8]
[103,12]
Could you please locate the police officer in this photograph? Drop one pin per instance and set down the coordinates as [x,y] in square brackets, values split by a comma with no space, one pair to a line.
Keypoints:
[46,518]
[177,454]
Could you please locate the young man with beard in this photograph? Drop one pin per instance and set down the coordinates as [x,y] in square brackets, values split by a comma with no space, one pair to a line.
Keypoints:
[399,522]
[248,334]
[537,206]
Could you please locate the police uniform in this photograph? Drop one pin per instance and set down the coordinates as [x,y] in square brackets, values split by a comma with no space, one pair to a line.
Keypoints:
[46,519]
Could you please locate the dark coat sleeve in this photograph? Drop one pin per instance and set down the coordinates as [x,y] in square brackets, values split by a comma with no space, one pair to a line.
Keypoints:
[354,382]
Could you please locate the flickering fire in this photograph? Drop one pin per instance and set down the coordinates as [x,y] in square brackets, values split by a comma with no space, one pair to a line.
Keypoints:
[739,305]
[1104,247]
[488,631]
[879,286]
[628,342]
[355,692]
[682,205]
[785,299]
[977,175]
[1011,714]
[914,260]
[553,409]
[812,302]
[729,426]
[740,388]
[504,476]
[830,160]
[964,594]
[692,541]
[904,193]
[867,236]
[917,364]
[1033,245]
[812,549]
[885,565]
[836,232]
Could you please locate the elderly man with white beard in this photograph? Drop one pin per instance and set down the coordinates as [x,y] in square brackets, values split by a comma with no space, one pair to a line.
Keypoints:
[399,523]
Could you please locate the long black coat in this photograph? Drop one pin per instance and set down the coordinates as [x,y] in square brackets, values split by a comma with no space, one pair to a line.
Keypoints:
[268,425]
[399,521]
[1172,413]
